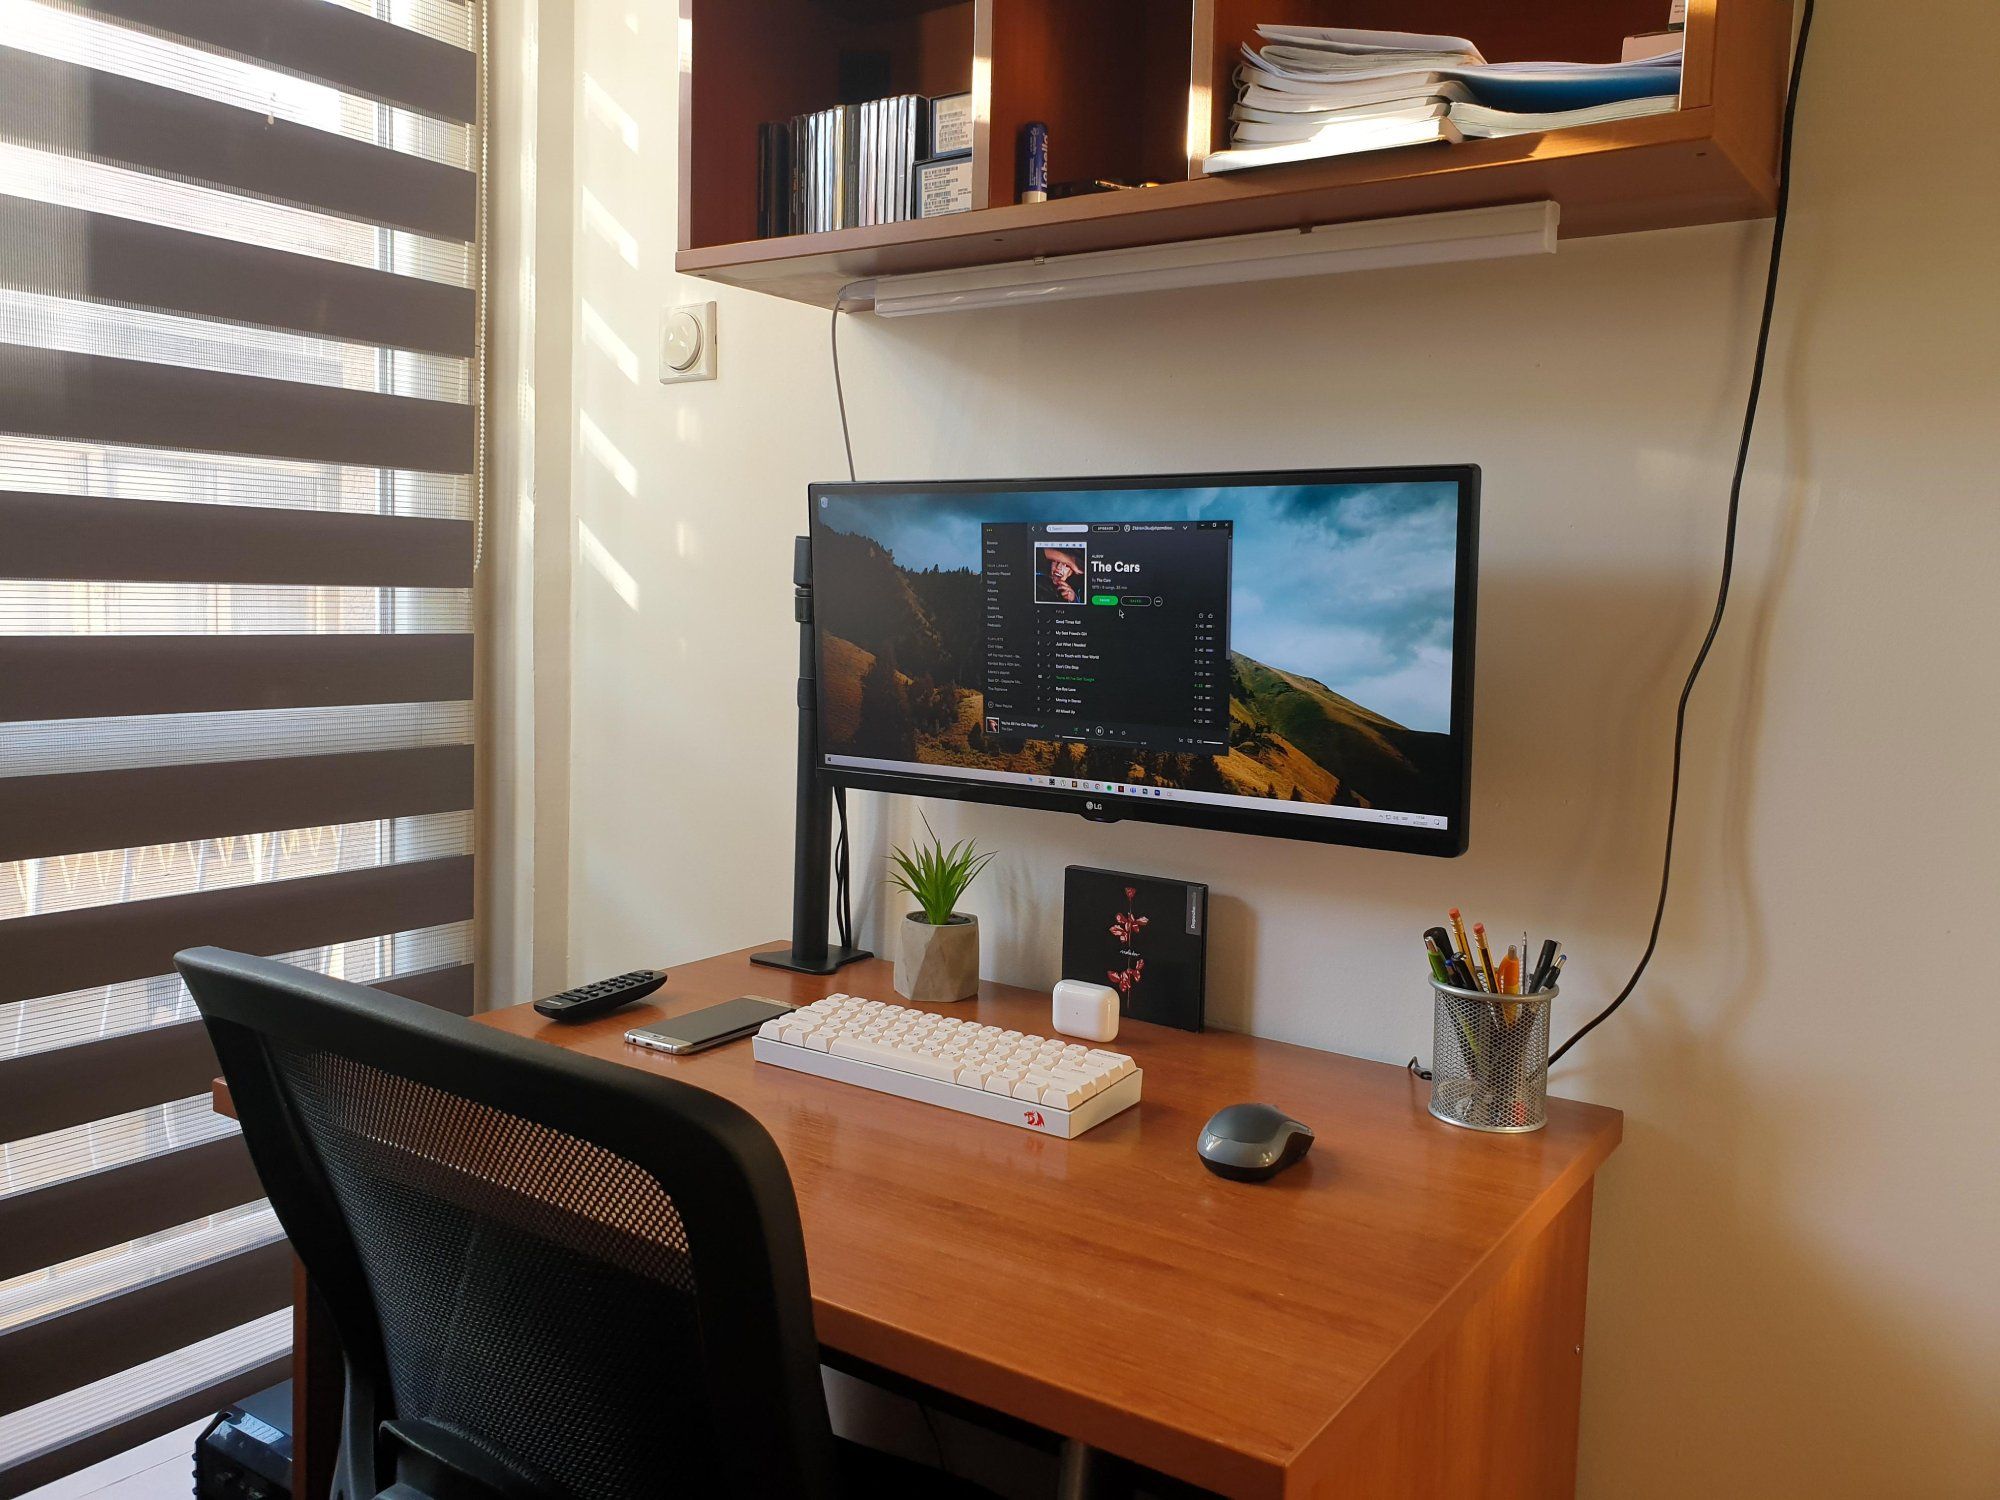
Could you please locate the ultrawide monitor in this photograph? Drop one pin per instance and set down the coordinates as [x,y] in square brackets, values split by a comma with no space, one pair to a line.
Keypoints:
[1280,653]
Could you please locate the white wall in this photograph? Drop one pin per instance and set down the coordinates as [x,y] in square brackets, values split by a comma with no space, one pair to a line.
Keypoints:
[1792,1288]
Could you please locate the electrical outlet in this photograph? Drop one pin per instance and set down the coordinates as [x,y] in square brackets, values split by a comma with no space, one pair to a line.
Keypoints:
[687,343]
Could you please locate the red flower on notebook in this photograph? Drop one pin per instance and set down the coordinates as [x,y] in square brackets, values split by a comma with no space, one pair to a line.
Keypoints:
[1126,927]
[1123,980]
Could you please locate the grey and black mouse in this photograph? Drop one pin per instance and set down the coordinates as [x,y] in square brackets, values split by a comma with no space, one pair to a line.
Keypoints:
[1251,1142]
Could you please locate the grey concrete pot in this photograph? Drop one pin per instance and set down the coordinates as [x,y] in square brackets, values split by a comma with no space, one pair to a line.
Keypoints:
[937,963]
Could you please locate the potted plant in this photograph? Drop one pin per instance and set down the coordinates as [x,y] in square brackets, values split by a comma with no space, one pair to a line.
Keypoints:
[937,946]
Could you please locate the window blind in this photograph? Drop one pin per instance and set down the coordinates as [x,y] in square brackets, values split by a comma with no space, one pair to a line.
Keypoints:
[240,338]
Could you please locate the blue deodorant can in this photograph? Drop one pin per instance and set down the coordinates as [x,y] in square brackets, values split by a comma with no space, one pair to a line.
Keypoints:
[1034,166]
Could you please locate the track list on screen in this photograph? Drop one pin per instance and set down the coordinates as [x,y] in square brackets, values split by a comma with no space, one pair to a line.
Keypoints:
[1110,633]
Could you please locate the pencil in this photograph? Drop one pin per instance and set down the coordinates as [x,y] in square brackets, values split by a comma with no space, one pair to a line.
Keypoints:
[1458,933]
[1483,962]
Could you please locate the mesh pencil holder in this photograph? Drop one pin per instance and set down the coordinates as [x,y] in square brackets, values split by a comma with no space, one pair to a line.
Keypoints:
[1490,1059]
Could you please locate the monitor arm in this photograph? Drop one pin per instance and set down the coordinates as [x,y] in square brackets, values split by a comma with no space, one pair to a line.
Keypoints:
[812,827]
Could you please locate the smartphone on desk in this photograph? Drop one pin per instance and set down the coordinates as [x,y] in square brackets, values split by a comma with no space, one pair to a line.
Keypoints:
[708,1027]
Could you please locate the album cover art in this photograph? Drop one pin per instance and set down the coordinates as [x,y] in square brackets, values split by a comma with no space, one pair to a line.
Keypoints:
[1145,937]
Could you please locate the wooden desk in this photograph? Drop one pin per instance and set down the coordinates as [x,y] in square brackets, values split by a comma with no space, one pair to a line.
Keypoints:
[1400,1315]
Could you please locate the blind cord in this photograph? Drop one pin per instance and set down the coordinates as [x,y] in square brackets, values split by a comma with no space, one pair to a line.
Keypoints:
[1778,222]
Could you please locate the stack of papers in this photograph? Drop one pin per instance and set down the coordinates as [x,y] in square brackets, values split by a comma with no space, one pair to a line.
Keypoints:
[1517,98]
[1325,55]
[1478,121]
[1329,90]
[1311,91]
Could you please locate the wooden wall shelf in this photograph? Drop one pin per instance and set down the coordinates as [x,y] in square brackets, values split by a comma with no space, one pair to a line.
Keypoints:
[1138,88]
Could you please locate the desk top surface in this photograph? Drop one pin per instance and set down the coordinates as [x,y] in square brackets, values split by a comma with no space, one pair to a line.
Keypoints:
[1110,1287]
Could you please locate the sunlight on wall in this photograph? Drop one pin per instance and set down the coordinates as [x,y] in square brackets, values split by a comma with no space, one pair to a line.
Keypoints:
[607,567]
[601,222]
[607,111]
[606,452]
[599,335]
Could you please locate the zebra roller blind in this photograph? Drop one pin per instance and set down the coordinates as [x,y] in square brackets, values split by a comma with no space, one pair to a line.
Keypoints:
[240,332]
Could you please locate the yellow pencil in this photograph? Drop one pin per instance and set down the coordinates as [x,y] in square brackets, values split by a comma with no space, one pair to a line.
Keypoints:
[1483,964]
[1458,936]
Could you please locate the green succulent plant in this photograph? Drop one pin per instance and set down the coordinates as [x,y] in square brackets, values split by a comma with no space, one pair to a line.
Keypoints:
[934,876]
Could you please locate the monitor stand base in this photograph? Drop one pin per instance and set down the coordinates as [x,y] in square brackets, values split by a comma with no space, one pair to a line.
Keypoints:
[835,958]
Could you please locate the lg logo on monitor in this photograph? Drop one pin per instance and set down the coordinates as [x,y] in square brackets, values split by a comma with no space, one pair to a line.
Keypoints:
[1089,806]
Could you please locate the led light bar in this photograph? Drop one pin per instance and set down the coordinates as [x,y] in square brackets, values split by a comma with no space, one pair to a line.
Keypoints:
[1370,244]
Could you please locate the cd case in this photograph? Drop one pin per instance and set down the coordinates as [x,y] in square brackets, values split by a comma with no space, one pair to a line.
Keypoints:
[1145,937]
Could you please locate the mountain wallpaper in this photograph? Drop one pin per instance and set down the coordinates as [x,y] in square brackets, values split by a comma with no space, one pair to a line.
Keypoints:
[902,659]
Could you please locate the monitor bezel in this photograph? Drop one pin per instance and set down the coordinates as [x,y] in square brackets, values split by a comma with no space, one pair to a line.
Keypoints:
[1448,842]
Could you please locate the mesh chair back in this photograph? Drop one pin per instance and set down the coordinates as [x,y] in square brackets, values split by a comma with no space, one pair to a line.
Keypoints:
[584,1280]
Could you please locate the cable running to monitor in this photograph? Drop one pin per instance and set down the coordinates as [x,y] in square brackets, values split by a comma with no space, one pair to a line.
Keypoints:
[843,902]
[839,391]
[1729,532]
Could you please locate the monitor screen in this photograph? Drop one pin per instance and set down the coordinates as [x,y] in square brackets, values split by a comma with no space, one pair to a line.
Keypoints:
[1269,653]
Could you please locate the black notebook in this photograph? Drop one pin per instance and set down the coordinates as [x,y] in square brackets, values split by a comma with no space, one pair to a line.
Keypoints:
[1147,938]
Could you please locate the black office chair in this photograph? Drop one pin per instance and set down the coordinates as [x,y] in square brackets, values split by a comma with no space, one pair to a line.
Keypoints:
[551,1276]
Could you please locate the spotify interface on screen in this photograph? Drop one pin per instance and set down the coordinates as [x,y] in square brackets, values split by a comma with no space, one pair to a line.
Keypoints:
[1108,632]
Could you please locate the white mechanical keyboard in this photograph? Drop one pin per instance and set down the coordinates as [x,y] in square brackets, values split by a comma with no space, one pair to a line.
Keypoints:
[1038,1083]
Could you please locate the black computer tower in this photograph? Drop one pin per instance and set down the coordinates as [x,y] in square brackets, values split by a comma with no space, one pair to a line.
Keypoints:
[246,1452]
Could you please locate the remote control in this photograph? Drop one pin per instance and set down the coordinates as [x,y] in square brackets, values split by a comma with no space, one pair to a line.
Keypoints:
[589,1000]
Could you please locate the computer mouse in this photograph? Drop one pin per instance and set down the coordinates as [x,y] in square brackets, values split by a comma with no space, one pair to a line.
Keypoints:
[1251,1142]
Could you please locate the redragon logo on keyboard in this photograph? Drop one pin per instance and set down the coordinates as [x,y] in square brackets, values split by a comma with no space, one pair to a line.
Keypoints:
[1033,1117]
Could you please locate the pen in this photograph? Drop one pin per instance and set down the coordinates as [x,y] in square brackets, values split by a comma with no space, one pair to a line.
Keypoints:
[1438,942]
[1510,984]
[1456,973]
[1544,963]
[1443,940]
[1447,970]
[1439,971]
[1555,969]
[1483,963]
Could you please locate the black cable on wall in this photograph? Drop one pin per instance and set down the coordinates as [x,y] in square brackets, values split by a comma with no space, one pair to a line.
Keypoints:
[1728,534]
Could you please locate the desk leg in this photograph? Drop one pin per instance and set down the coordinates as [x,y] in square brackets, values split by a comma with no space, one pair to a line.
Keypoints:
[1073,1479]
[319,1385]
